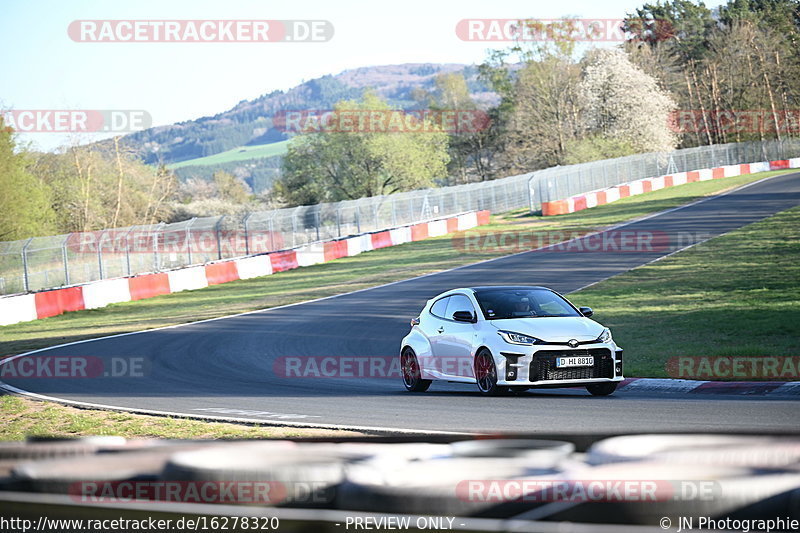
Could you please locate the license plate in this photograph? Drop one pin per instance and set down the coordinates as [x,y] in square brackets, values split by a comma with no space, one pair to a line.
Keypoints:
[563,362]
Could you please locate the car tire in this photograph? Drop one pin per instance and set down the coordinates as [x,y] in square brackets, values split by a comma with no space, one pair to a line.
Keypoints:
[601,389]
[412,376]
[486,374]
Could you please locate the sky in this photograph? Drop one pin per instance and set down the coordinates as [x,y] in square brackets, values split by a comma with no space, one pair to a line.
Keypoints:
[42,68]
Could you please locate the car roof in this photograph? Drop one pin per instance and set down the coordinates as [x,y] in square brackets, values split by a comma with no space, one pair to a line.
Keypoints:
[508,287]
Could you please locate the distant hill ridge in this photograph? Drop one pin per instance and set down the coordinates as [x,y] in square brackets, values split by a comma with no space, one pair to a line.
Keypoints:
[249,122]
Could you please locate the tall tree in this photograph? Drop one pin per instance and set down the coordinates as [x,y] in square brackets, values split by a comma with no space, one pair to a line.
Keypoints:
[334,165]
[24,200]
[621,102]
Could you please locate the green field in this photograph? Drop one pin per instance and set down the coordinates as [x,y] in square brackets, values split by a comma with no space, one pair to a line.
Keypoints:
[241,153]
[735,295]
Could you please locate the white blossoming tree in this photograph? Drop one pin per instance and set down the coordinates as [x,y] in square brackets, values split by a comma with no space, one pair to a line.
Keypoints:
[620,102]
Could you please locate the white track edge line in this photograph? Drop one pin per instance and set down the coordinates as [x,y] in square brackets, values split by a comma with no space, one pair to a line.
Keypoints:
[215,418]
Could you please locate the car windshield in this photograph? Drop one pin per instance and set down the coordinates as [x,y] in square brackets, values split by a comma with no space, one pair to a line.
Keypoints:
[523,303]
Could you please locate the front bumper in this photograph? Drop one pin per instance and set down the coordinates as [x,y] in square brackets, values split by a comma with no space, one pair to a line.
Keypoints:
[536,366]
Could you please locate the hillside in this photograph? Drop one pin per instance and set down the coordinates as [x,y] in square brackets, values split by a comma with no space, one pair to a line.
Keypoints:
[249,122]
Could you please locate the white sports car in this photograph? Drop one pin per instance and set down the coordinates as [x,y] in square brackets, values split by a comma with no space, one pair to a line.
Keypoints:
[509,338]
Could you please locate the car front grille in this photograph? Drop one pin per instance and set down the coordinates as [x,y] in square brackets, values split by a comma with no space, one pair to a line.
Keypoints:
[543,367]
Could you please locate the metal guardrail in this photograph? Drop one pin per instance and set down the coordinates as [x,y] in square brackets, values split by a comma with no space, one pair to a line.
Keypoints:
[46,262]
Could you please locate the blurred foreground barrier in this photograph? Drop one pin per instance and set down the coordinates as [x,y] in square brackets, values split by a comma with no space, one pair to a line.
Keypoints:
[516,483]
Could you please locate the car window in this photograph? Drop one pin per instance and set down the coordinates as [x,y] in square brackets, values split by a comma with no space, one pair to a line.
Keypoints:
[440,307]
[459,302]
[523,303]
[552,304]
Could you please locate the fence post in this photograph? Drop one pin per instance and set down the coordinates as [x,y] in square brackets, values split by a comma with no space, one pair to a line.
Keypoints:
[531,195]
[339,220]
[156,262]
[64,258]
[317,220]
[358,218]
[246,222]
[128,250]
[25,279]
[272,233]
[188,239]
[294,228]
[100,255]
[219,240]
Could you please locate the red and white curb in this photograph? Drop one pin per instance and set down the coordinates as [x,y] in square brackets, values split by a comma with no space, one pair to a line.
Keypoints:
[687,386]
[43,304]
[612,194]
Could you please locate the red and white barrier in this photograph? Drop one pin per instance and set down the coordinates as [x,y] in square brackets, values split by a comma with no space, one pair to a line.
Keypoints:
[401,235]
[437,228]
[221,272]
[353,246]
[25,307]
[467,221]
[148,285]
[253,267]
[20,308]
[311,254]
[187,279]
[380,239]
[105,292]
[612,194]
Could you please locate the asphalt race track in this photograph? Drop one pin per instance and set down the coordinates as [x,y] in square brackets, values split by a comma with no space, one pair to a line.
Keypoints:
[226,367]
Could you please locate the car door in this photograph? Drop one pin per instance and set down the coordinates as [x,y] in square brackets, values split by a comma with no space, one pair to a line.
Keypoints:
[432,326]
[454,345]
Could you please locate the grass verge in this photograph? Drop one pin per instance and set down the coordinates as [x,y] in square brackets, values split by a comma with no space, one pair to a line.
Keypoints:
[23,417]
[735,295]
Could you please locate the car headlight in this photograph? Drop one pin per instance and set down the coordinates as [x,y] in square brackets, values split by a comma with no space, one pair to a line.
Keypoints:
[605,336]
[517,338]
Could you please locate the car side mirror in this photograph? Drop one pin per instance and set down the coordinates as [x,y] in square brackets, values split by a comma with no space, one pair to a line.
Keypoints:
[586,311]
[464,316]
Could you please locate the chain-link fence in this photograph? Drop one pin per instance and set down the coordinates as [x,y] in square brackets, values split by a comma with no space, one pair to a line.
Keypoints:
[44,262]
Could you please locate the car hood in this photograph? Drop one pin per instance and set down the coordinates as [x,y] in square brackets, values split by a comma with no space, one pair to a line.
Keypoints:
[552,329]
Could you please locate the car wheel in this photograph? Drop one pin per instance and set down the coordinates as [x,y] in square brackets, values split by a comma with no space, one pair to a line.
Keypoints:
[486,374]
[601,389]
[412,377]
